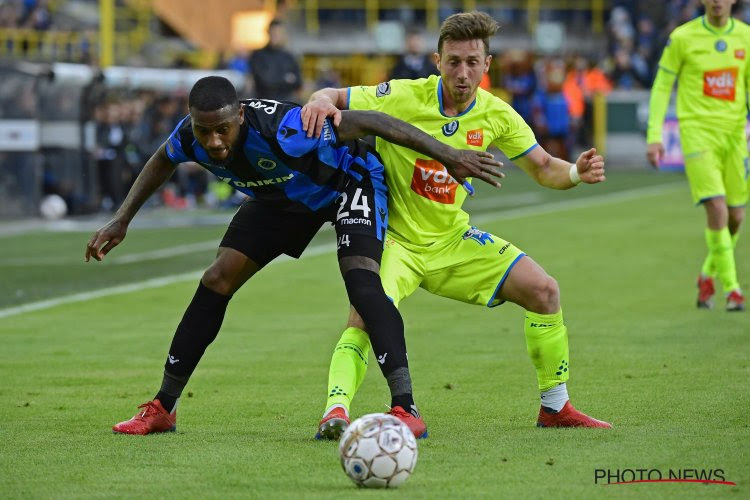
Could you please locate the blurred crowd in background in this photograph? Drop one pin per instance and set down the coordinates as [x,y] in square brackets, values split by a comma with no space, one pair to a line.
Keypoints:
[552,92]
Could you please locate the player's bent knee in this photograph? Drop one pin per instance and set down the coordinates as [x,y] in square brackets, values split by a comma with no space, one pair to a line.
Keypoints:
[217,281]
[546,297]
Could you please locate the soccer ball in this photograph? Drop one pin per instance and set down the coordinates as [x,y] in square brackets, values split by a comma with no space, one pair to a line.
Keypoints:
[53,207]
[378,451]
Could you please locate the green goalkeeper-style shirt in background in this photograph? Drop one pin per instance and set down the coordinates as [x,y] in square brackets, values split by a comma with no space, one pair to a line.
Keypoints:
[710,65]
[424,200]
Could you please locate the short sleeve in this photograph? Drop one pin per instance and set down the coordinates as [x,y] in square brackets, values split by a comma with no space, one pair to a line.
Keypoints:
[294,141]
[381,97]
[516,137]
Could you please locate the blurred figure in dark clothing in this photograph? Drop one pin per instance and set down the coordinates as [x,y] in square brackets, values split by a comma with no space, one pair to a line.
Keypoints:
[520,81]
[274,69]
[414,63]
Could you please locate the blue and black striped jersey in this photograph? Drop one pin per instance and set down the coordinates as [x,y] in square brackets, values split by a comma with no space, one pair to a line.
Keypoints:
[277,163]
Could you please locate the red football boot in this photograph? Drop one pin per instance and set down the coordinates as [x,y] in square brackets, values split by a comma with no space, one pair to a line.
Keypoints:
[153,418]
[705,292]
[333,424]
[735,301]
[568,417]
[416,424]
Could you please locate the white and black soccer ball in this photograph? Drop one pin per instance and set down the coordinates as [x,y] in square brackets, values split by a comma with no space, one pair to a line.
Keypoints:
[378,451]
[53,207]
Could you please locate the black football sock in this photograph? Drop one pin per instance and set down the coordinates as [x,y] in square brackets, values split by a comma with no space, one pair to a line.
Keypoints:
[199,327]
[386,330]
[399,383]
[170,392]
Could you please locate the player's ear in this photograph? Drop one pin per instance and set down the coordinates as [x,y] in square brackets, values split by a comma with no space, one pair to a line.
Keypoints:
[436,58]
[487,61]
[241,116]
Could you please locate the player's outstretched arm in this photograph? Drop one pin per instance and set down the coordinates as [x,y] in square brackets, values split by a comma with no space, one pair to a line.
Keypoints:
[460,163]
[556,173]
[156,171]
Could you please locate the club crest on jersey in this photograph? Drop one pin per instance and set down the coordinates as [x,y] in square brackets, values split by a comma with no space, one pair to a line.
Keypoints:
[450,128]
[479,236]
[721,45]
[739,54]
[266,164]
[383,89]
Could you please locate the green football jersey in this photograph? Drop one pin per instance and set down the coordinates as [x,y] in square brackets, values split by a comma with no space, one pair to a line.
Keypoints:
[712,73]
[424,201]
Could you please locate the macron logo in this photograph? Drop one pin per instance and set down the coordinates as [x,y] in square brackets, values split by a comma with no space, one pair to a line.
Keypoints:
[172,360]
[381,359]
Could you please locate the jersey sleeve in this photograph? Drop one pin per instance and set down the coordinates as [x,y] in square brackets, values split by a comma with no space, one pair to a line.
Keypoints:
[294,141]
[671,58]
[385,97]
[174,147]
[515,138]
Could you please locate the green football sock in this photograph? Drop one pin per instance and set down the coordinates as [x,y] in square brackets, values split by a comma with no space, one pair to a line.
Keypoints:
[709,269]
[348,367]
[547,344]
[721,252]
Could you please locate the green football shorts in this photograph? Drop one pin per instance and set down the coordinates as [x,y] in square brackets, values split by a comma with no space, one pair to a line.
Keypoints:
[716,164]
[470,266]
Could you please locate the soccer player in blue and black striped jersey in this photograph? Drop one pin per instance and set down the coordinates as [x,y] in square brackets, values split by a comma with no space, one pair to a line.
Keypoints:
[294,185]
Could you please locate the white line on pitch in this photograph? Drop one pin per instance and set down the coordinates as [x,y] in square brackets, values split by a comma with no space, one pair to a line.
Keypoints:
[330,248]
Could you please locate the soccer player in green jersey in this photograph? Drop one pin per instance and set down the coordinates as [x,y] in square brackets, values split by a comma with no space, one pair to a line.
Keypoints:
[708,57]
[430,242]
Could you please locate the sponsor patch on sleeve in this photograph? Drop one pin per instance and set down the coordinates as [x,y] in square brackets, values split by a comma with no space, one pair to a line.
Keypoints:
[383,89]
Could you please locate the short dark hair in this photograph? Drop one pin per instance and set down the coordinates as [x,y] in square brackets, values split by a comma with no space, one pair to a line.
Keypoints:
[468,26]
[211,93]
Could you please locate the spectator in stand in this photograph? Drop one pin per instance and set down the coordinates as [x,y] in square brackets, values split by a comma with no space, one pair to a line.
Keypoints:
[551,111]
[520,81]
[584,81]
[275,70]
[36,15]
[414,63]
[110,155]
[10,14]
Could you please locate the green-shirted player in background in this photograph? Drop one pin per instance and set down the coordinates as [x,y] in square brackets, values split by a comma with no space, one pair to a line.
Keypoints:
[708,57]
[430,242]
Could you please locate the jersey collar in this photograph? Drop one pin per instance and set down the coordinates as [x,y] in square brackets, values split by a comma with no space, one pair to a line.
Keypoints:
[440,100]
[727,29]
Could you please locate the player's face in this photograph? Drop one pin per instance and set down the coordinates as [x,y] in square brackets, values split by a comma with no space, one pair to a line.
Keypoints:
[718,8]
[217,131]
[462,65]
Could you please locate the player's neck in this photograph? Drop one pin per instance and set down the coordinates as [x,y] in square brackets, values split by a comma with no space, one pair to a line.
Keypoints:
[719,22]
[450,107]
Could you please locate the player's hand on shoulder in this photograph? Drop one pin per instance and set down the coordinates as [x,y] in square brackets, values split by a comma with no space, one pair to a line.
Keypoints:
[105,239]
[654,153]
[590,167]
[314,115]
[477,164]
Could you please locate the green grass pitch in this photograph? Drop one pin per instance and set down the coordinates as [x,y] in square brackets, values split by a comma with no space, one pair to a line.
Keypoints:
[672,379]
